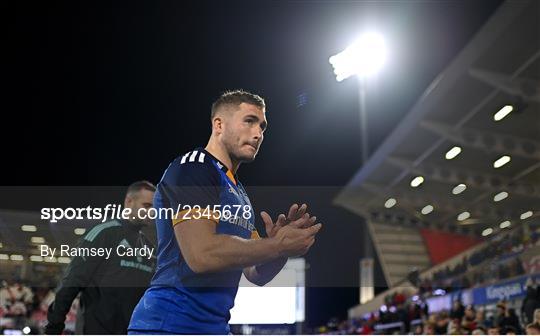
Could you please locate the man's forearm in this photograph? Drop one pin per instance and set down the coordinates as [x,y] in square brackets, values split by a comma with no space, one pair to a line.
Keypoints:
[226,252]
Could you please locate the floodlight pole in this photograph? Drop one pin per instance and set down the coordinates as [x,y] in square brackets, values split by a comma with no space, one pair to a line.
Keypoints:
[363,118]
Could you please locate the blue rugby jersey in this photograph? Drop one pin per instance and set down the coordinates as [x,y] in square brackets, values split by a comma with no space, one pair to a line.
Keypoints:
[179,300]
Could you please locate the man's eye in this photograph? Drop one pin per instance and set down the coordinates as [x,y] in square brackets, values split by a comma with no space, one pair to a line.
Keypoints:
[249,121]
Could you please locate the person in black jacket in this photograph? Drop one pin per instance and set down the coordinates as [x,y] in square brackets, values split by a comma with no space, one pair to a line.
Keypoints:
[530,303]
[111,284]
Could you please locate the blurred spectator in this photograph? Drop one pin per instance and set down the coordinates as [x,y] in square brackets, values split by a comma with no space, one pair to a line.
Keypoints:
[16,302]
[509,330]
[533,329]
[479,331]
[458,311]
[454,327]
[469,322]
[418,330]
[500,316]
[441,323]
[480,317]
[530,303]
[494,330]
[511,321]
[430,329]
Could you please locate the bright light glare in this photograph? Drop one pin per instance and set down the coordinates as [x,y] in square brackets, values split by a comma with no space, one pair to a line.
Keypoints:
[16,257]
[390,203]
[463,216]
[503,112]
[427,209]
[64,260]
[500,196]
[363,58]
[453,153]
[417,181]
[29,228]
[459,189]
[526,215]
[501,161]
[504,224]
[487,232]
[79,231]
[37,240]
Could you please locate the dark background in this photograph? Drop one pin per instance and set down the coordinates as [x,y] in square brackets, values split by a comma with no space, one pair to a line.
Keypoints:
[106,93]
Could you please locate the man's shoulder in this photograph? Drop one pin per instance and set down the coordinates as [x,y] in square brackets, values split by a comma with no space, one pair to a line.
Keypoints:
[193,164]
[102,228]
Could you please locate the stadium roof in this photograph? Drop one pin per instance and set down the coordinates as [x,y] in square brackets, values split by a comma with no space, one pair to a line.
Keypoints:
[500,66]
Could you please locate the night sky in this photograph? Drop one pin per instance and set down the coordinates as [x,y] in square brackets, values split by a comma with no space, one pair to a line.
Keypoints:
[106,93]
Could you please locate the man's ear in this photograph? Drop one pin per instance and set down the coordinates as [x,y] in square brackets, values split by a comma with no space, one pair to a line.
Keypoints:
[128,201]
[217,124]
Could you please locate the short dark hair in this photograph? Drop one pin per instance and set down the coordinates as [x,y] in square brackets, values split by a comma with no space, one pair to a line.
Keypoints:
[235,98]
[140,185]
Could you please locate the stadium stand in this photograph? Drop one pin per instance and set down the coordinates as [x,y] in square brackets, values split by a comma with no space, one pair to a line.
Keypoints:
[468,261]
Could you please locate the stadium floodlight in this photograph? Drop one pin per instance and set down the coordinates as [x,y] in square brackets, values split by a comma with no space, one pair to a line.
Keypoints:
[363,57]
[503,112]
[459,189]
[463,216]
[526,215]
[452,153]
[505,224]
[487,232]
[1,245]
[37,240]
[16,257]
[36,258]
[79,231]
[29,228]
[4,257]
[501,161]
[64,260]
[427,209]
[417,181]
[500,196]
[390,203]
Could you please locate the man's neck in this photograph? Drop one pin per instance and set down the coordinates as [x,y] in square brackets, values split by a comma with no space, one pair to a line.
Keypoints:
[221,154]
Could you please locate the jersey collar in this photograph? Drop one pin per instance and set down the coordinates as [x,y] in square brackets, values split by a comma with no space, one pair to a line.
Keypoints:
[233,177]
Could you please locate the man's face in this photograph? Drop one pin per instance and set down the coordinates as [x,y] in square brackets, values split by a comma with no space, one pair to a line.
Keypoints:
[139,200]
[243,132]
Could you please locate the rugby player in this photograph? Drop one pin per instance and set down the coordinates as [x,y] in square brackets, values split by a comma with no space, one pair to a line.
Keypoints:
[204,249]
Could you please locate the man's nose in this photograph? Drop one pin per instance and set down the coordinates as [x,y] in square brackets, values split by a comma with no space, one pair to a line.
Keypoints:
[258,134]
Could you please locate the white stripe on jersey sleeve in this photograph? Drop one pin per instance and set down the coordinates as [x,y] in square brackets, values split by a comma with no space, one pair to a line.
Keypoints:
[184,158]
[193,155]
[201,157]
